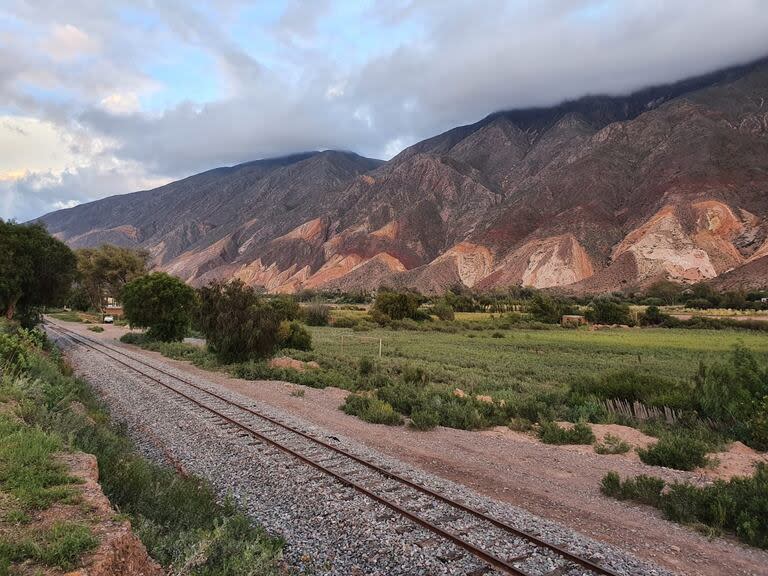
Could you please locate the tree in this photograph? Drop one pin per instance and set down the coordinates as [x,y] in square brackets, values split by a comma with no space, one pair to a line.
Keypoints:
[397,305]
[36,270]
[238,324]
[548,309]
[665,290]
[162,303]
[104,271]
[607,311]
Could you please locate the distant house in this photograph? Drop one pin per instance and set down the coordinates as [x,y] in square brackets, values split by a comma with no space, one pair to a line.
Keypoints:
[572,321]
[112,307]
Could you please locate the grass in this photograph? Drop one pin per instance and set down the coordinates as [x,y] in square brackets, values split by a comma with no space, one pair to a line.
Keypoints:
[178,518]
[528,373]
[61,546]
[28,469]
[738,506]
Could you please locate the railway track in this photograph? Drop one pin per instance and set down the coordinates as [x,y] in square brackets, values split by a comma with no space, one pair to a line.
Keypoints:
[492,540]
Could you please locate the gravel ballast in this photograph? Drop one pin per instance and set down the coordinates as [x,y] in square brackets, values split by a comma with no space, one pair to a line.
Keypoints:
[329,528]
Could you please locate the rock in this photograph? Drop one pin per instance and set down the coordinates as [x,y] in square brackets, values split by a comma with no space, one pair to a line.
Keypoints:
[293,364]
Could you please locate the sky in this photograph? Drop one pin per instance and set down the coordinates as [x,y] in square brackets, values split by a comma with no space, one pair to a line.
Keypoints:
[106,97]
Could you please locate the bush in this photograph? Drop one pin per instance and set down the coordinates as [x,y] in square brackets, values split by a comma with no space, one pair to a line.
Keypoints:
[161,303]
[631,385]
[286,307]
[520,424]
[424,419]
[643,489]
[444,311]
[137,338]
[732,393]
[237,323]
[653,316]
[415,375]
[548,309]
[371,410]
[607,311]
[294,335]
[675,451]
[497,335]
[97,329]
[345,322]
[317,314]
[738,506]
[397,305]
[580,433]
[758,427]
[612,445]
[700,304]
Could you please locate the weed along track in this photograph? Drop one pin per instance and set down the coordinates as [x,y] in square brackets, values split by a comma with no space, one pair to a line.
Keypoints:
[500,545]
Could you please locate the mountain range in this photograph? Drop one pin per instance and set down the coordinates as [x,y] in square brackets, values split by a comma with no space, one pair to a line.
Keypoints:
[593,195]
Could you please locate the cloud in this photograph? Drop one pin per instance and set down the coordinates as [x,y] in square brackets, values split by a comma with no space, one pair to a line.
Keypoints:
[126,94]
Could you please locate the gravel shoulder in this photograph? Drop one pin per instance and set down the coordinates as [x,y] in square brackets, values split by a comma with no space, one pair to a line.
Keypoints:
[557,483]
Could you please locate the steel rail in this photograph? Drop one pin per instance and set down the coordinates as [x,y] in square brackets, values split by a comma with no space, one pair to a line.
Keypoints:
[498,563]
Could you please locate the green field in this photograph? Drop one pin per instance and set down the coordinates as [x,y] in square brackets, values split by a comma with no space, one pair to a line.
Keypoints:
[530,360]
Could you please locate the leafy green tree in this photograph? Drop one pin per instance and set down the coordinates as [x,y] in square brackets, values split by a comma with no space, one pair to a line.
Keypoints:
[238,323]
[36,270]
[397,305]
[607,311]
[548,309]
[665,290]
[294,335]
[286,306]
[105,270]
[162,303]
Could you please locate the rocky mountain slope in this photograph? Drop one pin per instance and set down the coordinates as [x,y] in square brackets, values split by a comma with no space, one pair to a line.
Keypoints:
[598,194]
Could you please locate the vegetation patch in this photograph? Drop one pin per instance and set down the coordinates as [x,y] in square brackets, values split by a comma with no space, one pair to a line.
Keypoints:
[738,506]
[612,445]
[371,410]
[553,433]
[178,518]
[678,451]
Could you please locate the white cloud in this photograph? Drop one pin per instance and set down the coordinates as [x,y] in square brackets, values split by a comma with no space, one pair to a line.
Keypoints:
[121,104]
[67,42]
[61,205]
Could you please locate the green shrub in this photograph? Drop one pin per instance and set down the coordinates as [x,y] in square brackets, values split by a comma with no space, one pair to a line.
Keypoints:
[548,309]
[371,409]
[552,433]
[675,451]
[161,303]
[758,426]
[653,316]
[237,323]
[366,366]
[520,424]
[632,385]
[345,322]
[424,419]
[497,335]
[97,329]
[317,314]
[738,506]
[286,307]
[396,305]
[294,335]
[612,445]
[137,338]
[444,311]
[643,489]
[415,375]
[607,311]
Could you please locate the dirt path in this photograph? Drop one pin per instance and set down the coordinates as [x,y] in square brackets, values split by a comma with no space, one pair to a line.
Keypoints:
[560,483]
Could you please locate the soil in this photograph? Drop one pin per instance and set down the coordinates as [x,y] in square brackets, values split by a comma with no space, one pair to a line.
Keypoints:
[561,483]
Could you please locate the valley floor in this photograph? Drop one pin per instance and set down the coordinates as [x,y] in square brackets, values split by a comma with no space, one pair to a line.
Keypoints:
[558,483]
